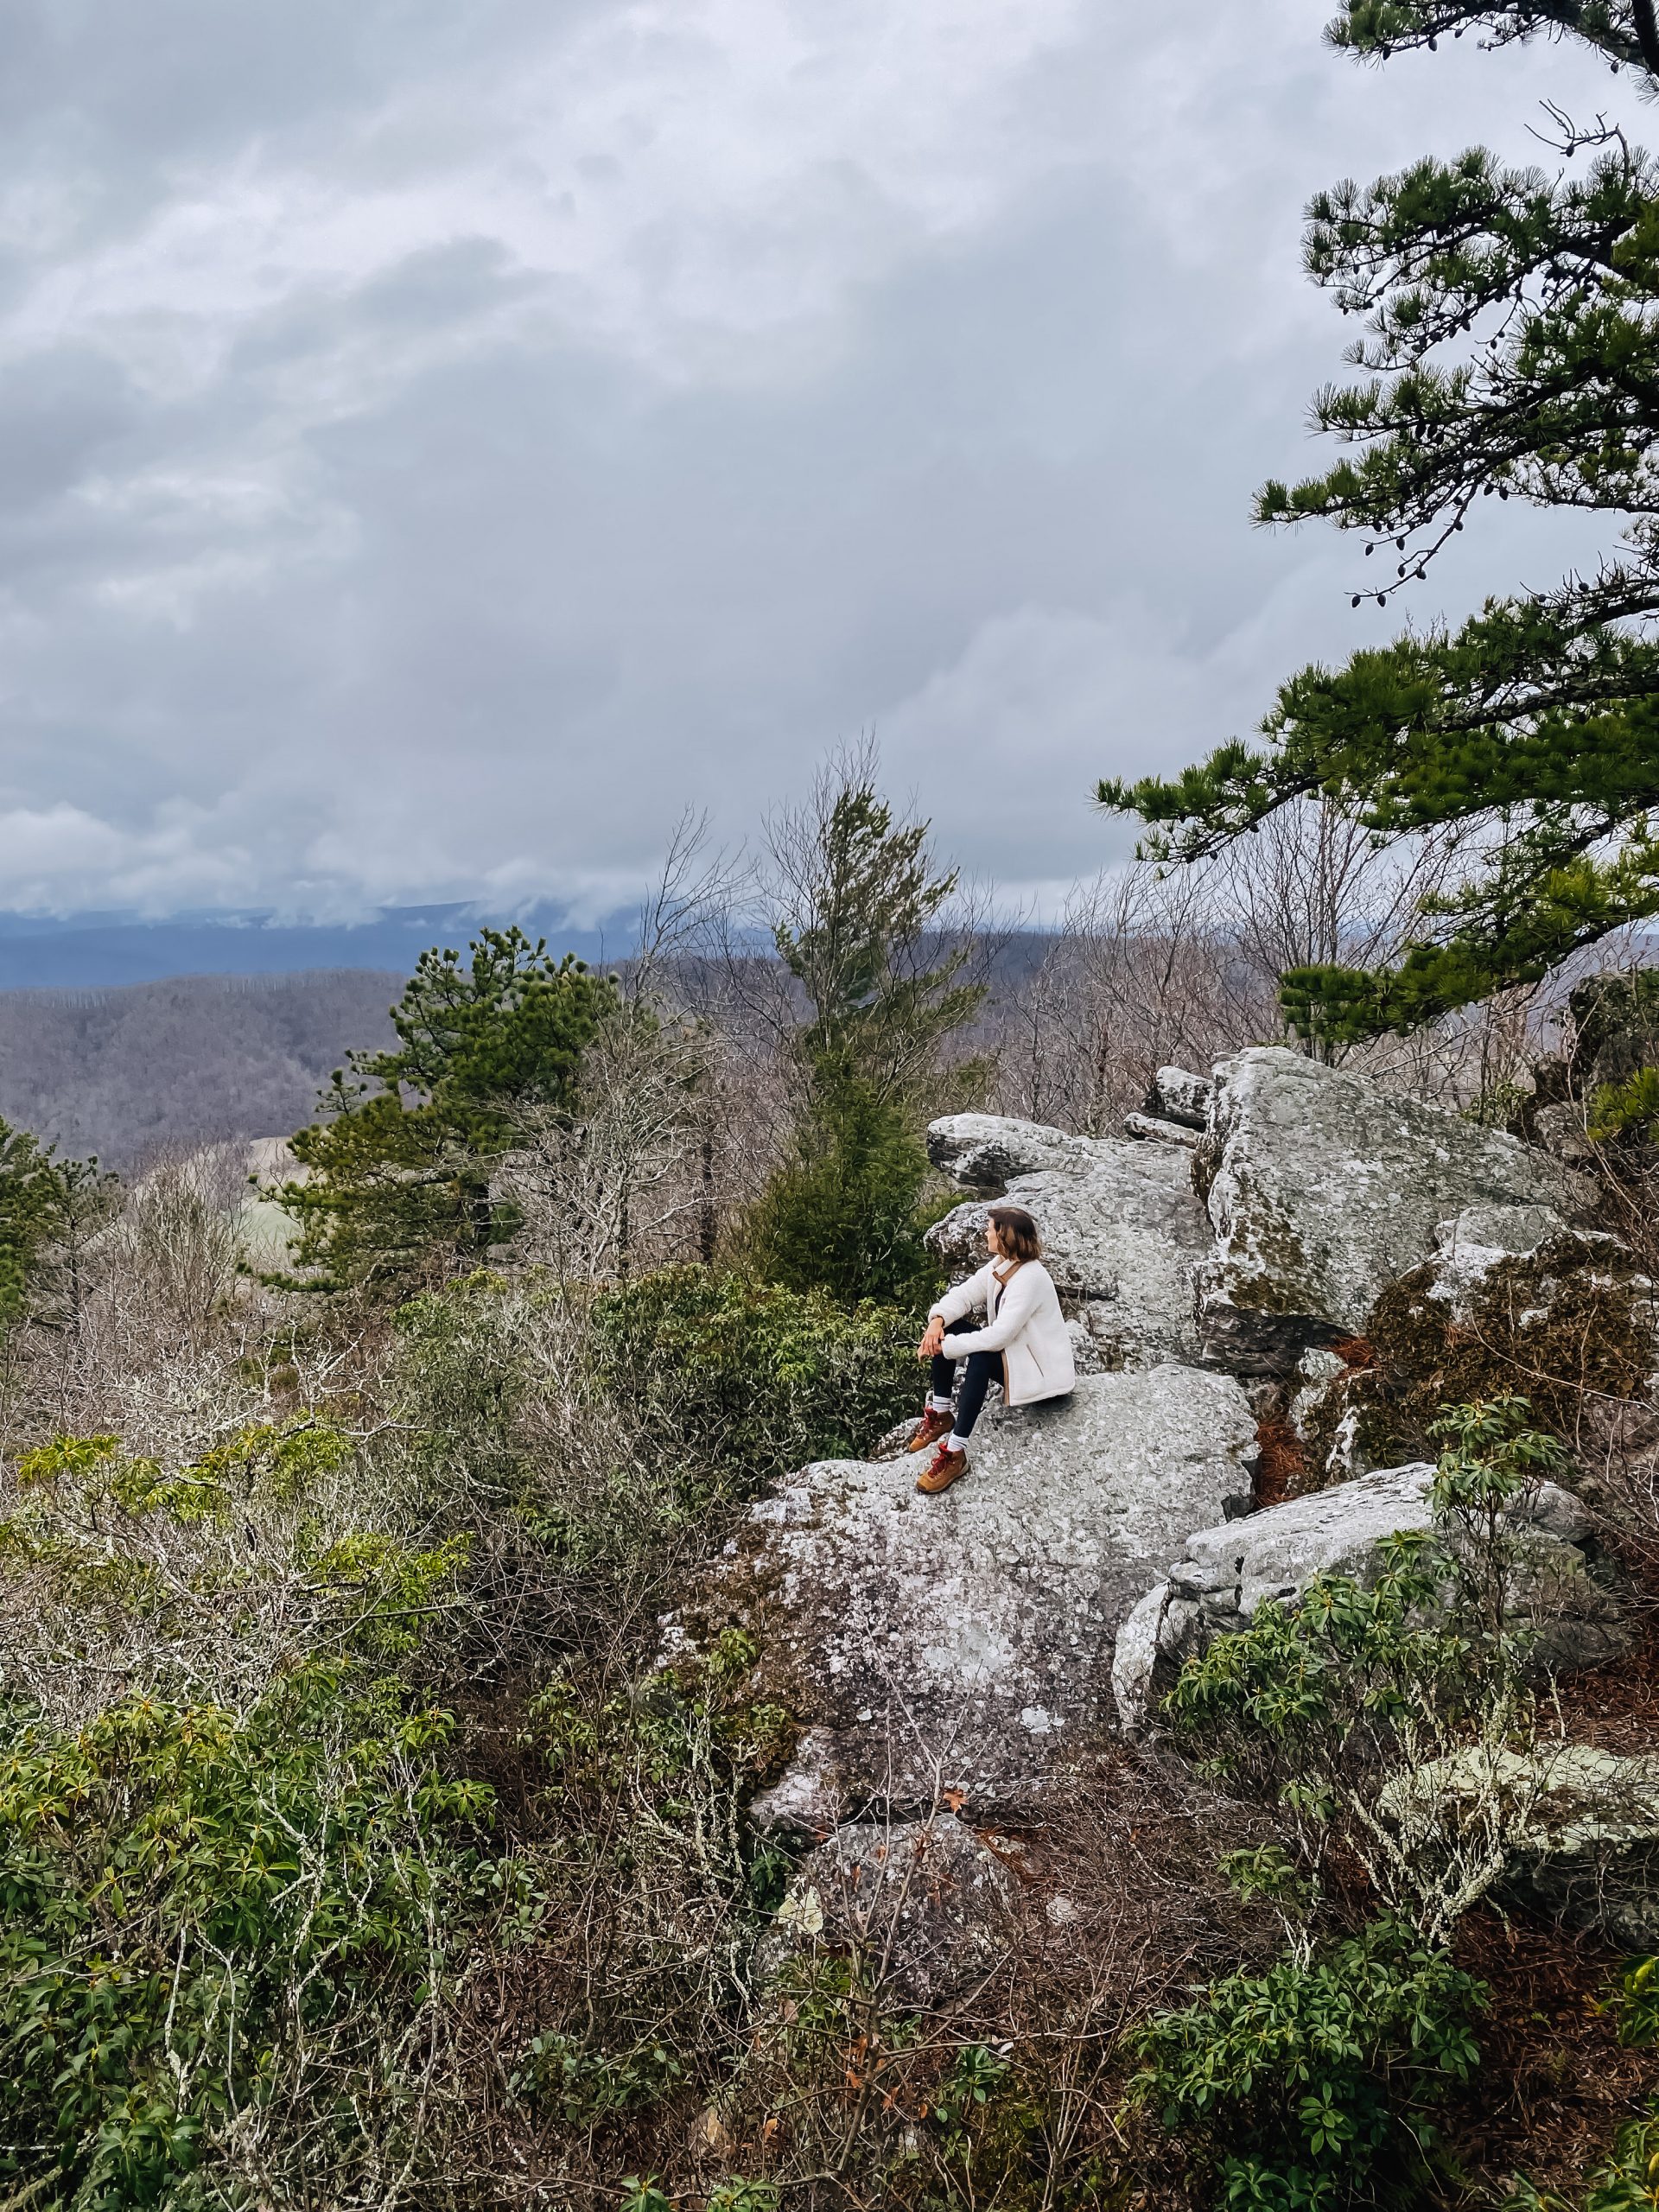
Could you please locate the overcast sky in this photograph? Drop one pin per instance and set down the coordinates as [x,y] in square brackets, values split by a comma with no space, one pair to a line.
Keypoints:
[441,439]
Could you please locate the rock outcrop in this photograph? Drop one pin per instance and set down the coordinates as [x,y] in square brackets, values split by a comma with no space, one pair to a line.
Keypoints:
[1227,1572]
[1580,1826]
[963,1643]
[1266,1244]
[1177,1094]
[1122,1227]
[1323,1189]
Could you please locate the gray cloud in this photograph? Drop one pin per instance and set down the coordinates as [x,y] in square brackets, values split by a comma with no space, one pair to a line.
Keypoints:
[439,443]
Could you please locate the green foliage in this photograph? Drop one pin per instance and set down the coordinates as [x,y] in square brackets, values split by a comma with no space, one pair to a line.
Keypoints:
[845,1213]
[229,1548]
[1319,1706]
[743,2196]
[701,1716]
[1384,27]
[461,1378]
[1637,2002]
[398,1182]
[1311,2085]
[646,1863]
[1529,735]
[44,1202]
[201,1912]
[583,2087]
[751,1378]
[644,2195]
[1627,1109]
[977,2073]
[1628,2182]
[1350,1656]
[857,941]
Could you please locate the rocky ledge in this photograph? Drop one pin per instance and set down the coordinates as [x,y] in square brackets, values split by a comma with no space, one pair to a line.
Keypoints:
[948,1658]
[957,1648]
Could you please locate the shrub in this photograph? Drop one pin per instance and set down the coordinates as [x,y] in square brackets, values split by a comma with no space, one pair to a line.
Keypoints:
[752,1379]
[1310,2086]
[223,1939]
[1337,1706]
[653,1893]
[1629,2182]
[845,1213]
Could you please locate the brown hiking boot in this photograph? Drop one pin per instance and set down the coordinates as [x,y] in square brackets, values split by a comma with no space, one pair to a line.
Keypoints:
[945,1467]
[931,1427]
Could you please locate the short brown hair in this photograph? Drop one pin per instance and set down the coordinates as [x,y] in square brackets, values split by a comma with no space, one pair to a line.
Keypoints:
[1018,1232]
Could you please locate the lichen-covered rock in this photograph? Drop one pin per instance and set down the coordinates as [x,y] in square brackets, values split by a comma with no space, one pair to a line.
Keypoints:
[1613,1020]
[1228,1571]
[1323,1189]
[1562,1131]
[923,1904]
[964,1642]
[1177,1094]
[1579,1825]
[1120,1225]
[1339,1418]
[987,1151]
[1511,1299]
[1468,1247]
[1147,1129]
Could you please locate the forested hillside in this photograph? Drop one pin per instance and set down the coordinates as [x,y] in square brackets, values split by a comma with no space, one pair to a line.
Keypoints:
[200,1060]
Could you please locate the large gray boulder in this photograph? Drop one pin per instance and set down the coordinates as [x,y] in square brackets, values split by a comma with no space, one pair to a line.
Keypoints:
[1121,1226]
[1227,1572]
[1322,1189]
[987,1151]
[1577,1829]
[962,1643]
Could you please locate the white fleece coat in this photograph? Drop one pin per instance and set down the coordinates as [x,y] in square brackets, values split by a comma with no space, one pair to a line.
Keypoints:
[1023,1321]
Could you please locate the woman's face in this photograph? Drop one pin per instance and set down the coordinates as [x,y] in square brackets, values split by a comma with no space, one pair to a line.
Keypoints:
[993,1240]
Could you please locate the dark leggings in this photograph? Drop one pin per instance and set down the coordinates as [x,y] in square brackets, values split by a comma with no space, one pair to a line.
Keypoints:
[980,1370]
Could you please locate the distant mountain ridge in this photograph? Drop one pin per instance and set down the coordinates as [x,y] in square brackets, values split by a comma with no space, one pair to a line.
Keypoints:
[96,951]
[129,1072]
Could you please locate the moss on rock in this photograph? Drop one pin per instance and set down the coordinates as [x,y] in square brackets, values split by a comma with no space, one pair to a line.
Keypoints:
[1563,1326]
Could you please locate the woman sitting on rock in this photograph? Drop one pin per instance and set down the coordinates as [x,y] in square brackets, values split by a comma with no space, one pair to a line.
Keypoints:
[1025,1344]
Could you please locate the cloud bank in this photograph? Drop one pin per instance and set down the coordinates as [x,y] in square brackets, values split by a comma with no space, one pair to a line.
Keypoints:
[441,443]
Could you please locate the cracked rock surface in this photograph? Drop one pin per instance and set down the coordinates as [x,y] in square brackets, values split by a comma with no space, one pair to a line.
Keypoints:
[1323,1189]
[963,1643]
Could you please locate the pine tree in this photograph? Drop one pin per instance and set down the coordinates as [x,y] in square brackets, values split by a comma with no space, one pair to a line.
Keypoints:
[859,935]
[48,1206]
[1512,352]
[398,1185]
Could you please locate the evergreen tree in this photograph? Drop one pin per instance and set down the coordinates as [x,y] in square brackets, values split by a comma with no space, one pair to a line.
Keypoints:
[399,1181]
[40,1197]
[858,934]
[49,1207]
[1511,350]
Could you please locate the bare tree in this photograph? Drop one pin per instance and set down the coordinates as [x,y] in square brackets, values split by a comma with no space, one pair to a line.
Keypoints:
[631,1178]
[1142,971]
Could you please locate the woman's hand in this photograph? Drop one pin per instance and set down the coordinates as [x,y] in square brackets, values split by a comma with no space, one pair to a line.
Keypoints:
[932,1340]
